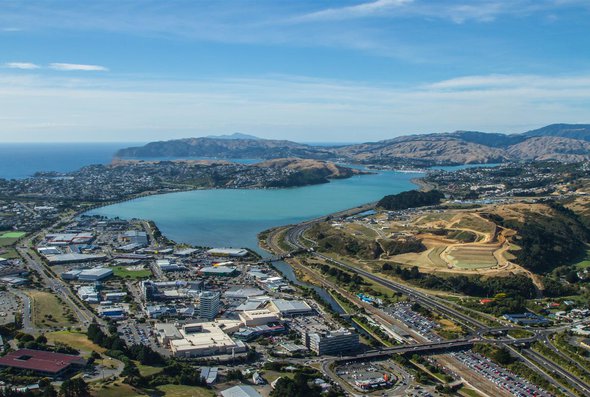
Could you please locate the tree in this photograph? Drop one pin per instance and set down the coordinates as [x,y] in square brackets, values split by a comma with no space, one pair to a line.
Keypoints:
[131,373]
[42,339]
[49,391]
[74,388]
[502,356]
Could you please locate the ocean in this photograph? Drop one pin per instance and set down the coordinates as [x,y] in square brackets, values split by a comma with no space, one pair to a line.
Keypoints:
[21,160]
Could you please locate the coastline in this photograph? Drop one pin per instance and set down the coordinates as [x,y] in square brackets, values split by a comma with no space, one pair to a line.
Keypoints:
[423,186]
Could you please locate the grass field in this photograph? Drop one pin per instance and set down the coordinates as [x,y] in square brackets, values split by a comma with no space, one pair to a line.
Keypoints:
[48,311]
[147,370]
[115,390]
[12,235]
[185,391]
[585,262]
[271,376]
[123,272]
[77,340]
[9,253]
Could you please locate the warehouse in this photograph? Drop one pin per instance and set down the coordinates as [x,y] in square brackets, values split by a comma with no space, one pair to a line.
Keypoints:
[95,274]
[73,258]
[233,252]
[88,293]
[288,308]
[240,391]
[219,271]
[135,237]
[69,238]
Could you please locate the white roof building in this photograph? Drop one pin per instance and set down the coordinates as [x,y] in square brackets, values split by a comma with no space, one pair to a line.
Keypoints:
[95,274]
[207,339]
[240,391]
[289,308]
[236,252]
[254,318]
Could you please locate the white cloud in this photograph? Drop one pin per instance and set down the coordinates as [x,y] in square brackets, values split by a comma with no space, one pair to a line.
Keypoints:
[75,67]
[38,108]
[374,8]
[458,11]
[21,65]
[509,81]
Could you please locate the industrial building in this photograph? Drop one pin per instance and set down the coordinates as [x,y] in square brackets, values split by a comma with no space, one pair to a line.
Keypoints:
[331,343]
[135,237]
[113,312]
[166,266]
[170,290]
[68,238]
[243,292]
[88,293]
[526,319]
[14,280]
[240,391]
[232,252]
[186,252]
[209,374]
[219,271]
[209,304]
[42,362]
[290,308]
[95,274]
[72,257]
[115,296]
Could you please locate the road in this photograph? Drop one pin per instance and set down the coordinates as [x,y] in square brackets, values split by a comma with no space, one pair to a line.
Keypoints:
[27,316]
[58,286]
[556,369]
[293,237]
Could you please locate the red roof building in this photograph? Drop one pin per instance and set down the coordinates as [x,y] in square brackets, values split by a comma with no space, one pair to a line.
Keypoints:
[42,362]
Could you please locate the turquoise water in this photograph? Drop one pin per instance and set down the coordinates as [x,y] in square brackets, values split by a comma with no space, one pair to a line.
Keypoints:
[233,217]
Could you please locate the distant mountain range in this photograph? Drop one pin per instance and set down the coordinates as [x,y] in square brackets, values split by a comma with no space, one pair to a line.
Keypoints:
[235,135]
[562,142]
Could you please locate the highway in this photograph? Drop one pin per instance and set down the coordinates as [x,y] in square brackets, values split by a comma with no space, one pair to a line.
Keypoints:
[294,235]
[556,369]
[293,238]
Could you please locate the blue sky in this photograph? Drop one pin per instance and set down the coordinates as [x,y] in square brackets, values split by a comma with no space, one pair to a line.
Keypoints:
[300,70]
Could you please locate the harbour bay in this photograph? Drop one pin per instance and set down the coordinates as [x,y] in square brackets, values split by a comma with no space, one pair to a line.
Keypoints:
[234,217]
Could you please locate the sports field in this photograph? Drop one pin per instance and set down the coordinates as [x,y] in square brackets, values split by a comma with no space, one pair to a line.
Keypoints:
[12,235]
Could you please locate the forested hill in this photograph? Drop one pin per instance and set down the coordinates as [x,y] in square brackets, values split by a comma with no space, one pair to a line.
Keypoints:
[410,199]
[225,148]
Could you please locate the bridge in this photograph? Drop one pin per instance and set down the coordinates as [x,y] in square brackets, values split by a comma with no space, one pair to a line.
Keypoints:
[431,347]
[278,258]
